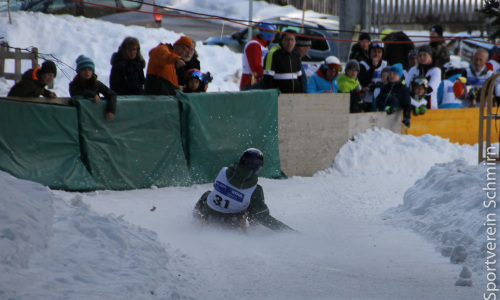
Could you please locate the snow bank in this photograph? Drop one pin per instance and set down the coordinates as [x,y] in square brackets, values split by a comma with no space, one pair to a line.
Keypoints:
[43,239]
[450,207]
[63,38]
[381,151]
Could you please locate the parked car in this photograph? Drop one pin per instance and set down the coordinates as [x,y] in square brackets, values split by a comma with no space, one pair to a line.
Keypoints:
[320,48]
[60,7]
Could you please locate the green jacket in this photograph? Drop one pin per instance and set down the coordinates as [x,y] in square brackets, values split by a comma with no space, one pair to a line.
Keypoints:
[346,83]
[242,177]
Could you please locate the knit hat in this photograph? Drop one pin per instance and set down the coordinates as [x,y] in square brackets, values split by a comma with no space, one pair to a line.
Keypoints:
[303,41]
[48,66]
[83,62]
[364,36]
[184,41]
[437,29]
[398,69]
[352,65]
[425,48]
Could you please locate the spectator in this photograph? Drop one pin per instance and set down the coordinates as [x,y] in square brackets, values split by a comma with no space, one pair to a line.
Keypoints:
[302,46]
[397,52]
[282,66]
[445,94]
[359,51]
[385,80]
[371,72]
[192,62]
[86,84]
[127,71]
[477,74]
[194,80]
[412,61]
[494,63]
[237,198]
[426,68]
[394,96]
[419,90]
[325,78]
[161,77]
[253,56]
[33,82]
[441,55]
[348,83]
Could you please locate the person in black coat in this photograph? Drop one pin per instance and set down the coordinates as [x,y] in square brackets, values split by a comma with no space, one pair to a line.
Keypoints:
[127,71]
[359,51]
[395,96]
[397,52]
[86,84]
[33,82]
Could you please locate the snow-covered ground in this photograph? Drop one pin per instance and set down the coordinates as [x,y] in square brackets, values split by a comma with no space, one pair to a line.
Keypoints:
[392,218]
[380,229]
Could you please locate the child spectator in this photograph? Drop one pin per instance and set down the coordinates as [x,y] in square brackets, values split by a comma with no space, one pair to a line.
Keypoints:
[419,88]
[127,71]
[193,79]
[86,84]
[324,80]
[394,96]
[348,83]
[385,80]
[33,82]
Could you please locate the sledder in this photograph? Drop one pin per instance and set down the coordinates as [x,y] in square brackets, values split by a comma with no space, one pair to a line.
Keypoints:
[237,200]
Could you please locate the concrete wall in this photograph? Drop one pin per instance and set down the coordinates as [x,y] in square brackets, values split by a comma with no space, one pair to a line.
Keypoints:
[313,128]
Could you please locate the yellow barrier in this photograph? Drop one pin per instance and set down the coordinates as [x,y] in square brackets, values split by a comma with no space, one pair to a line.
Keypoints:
[458,125]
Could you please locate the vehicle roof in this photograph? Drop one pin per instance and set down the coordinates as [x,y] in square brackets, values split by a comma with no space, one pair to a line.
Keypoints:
[308,23]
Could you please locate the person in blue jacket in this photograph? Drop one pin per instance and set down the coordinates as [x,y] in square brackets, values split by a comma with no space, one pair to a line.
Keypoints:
[325,78]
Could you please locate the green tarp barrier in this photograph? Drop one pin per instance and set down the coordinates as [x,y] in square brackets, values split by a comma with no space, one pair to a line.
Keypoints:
[141,147]
[218,127]
[39,142]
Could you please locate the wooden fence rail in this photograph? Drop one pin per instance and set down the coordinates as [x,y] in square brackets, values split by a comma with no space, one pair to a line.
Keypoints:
[17,55]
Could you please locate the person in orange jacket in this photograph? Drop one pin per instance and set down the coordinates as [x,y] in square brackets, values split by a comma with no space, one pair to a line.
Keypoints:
[161,77]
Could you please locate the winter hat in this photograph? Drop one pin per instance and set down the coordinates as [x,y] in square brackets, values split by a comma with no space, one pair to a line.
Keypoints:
[397,68]
[437,29]
[425,48]
[352,65]
[184,41]
[303,41]
[364,36]
[83,62]
[333,63]
[48,66]
[412,52]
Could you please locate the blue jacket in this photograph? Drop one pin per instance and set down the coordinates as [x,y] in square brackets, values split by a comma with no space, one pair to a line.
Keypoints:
[319,84]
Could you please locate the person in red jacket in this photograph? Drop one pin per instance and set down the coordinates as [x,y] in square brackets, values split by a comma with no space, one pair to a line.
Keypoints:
[253,56]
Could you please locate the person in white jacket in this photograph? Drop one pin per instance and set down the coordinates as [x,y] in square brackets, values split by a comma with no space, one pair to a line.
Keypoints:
[426,68]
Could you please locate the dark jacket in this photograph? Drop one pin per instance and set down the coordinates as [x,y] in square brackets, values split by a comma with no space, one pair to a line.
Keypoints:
[30,85]
[440,55]
[358,53]
[398,52]
[397,96]
[92,87]
[257,212]
[282,70]
[194,63]
[127,75]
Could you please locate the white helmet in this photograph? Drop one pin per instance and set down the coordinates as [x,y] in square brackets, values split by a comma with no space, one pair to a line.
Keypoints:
[332,60]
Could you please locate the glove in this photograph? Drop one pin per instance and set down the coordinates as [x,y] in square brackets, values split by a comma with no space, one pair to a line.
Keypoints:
[406,121]
[416,111]
[389,110]
[422,109]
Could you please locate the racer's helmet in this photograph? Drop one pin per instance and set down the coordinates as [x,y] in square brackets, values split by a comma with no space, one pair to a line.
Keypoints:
[269,33]
[194,73]
[252,158]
